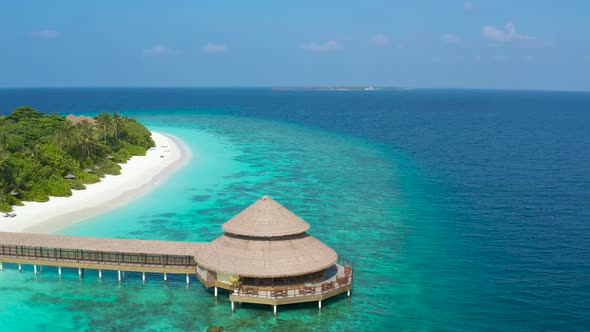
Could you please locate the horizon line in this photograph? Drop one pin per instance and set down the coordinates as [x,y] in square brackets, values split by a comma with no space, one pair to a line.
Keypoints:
[397,88]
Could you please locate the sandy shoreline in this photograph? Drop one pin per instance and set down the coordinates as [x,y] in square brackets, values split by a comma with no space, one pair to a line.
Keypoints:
[138,176]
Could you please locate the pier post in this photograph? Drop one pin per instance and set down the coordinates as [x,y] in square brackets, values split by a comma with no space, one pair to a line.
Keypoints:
[59,271]
[35,269]
[215,291]
[232,306]
[143,276]
[80,274]
[165,277]
[348,293]
[20,268]
[274,309]
[119,275]
[99,274]
[1,266]
[320,304]
[188,280]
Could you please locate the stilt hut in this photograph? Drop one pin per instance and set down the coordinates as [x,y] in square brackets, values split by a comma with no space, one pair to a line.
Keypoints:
[266,256]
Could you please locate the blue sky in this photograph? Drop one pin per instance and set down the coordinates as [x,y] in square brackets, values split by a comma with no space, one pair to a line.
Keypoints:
[448,44]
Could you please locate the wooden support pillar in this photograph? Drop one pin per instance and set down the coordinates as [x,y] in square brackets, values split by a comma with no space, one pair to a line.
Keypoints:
[119,275]
[188,280]
[320,304]
[20,268]
[348,293]
[1,266]
[274,309]
[215,291]
[80,273]
[232,306]
[143,276]
[35,269]
[165,277]
[99,274]
[59,271]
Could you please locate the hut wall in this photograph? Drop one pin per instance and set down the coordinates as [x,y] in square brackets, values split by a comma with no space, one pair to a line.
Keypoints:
[223,277]
[203,273]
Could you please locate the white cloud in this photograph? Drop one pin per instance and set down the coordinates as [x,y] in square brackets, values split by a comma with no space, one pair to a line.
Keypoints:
[330,45]
[158,50]
[449,38]
[380,40]
[506,35]
[468,6]
[215,48]
[47,33]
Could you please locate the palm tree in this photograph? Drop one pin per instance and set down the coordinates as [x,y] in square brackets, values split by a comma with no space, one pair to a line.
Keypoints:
[66,135]
[105,122]
[86,136]
[119,121]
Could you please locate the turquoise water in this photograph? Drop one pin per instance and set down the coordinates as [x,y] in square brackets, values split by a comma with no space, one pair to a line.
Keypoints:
[230,168]
[462,210]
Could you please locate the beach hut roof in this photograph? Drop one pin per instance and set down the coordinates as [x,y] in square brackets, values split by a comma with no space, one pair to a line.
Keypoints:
[265,218]
[266,258]
[109,157]
[266,241]
[88,170]
[70,176]
[77,119]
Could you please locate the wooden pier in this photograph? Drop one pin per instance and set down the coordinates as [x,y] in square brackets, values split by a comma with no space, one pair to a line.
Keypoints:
[167,257]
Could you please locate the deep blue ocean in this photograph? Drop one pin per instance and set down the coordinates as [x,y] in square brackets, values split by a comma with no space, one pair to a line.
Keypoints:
[463,210]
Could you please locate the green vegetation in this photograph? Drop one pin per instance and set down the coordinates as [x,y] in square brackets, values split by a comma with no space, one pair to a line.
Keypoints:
[40,152]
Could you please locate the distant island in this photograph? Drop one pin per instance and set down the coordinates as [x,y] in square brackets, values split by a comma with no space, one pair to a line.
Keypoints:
[340,88]
[43,155]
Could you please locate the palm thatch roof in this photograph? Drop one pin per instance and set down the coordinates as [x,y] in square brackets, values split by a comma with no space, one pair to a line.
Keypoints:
[266,241]
[266,258]
[102,244]
[265,218]
[77,119]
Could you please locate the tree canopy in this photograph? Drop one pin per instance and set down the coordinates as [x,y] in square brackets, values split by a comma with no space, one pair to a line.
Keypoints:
[38,151]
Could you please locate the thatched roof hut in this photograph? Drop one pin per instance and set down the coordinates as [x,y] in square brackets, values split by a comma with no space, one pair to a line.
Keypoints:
[266,241]
[77,119]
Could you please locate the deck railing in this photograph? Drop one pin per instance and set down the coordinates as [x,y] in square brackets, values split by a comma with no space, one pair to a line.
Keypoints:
[95,257]
[282,292]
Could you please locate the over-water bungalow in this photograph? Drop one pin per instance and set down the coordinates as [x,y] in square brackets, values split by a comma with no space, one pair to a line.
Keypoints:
[266,256]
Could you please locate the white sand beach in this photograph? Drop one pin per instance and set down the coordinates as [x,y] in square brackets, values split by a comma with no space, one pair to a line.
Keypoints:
[138,176]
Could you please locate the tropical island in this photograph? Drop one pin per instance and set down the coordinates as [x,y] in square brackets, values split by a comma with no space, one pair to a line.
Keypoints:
[43,155]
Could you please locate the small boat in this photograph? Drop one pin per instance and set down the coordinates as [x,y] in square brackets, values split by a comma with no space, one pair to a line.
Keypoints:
[6,215]
[12,215]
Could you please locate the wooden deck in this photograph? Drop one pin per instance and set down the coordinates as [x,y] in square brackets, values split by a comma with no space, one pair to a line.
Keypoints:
[334,284]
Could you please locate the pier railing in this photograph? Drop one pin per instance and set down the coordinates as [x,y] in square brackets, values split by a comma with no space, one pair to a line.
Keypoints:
[95,257]
[341,280]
